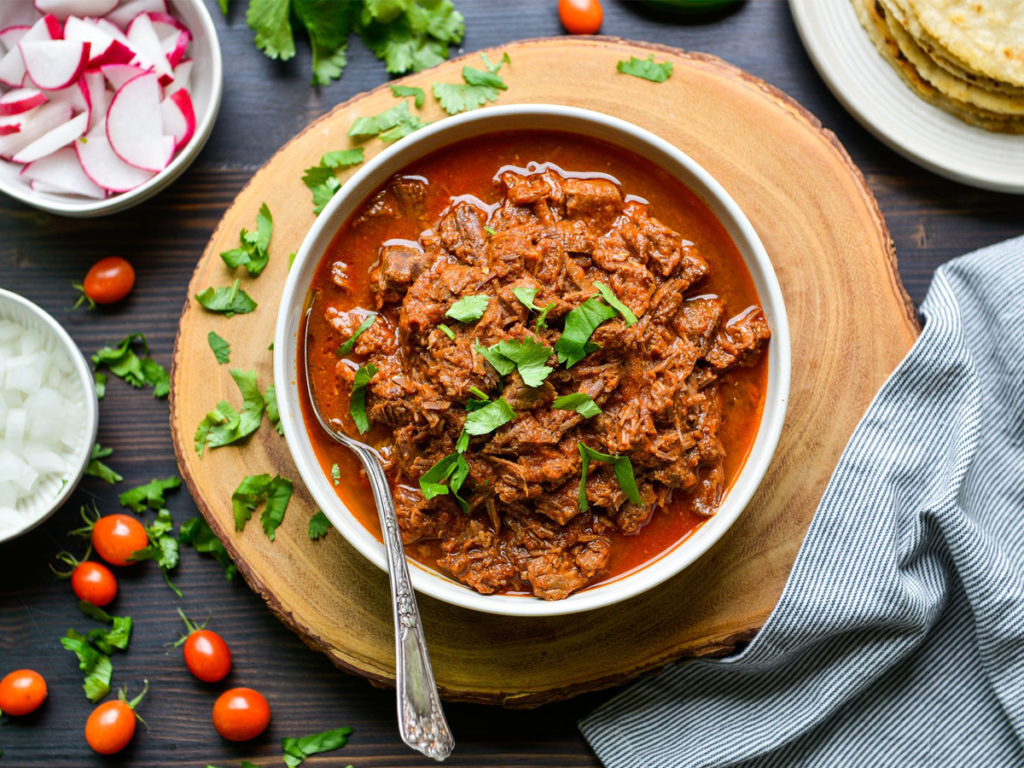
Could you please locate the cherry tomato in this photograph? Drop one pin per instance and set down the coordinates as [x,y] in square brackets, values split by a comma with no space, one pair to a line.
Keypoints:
[116,537]
[111,725]
[241,714]
[208,657]
[581,17]
[22,692]
[94,583]
[109,280]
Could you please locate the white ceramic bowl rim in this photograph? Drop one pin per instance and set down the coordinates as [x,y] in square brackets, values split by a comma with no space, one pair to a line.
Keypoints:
[90,408]
[571,120]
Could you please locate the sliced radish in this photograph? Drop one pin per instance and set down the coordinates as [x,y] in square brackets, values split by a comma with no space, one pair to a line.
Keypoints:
[111,29]
[166,25]
[134,127]
[11,36]
[50,142]
[129,9]
[63,171]
[96,86]
[55,64]
[14,123]
[64,8]
[182,75]
[12,65]
[174,47]
[105,168]
[42,186]
[104,48]
[179,118]
[119,74]
[46,118]
[21,100]
[147,45]
[77,95]
[17,14]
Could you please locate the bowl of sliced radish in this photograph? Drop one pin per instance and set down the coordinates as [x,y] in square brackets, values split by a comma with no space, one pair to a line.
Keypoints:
[48,415]
[103,103]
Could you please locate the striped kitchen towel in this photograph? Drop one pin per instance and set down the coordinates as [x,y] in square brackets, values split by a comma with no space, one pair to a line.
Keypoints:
[899,638]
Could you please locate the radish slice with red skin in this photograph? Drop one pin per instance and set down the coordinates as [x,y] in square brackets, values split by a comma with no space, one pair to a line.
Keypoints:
[96,85]
[105,168]
[64,8]
[53,140]
[182,75]
[63,171]
[77,96]
[11,36]
[165,25]
[119,74]
[21,100]
[147,45]
[111,29]
[179,118]
[54,64]
[12,65]
[134,127]
[104,47]
[48,117]
[174,49]
[18,121]
[129,9]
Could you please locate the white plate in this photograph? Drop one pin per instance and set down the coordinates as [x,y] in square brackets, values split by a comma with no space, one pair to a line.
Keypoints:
[873,93]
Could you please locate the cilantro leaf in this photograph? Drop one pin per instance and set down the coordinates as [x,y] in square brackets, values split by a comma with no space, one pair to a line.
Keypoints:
[336,474]
[96,666]
[468,308]
[480,87]
[101,385]
[529,356]
[150,495]
[274,492]
[197,532]
[580,402]
[486,419]
[609,295]
[526,295]
[228,301]
[273,415]
[397,118]
[452,468]
[97,468]
[648,69]
[224,425]
[270,20]
[357,403]
[410,35]
[402,91]
[221,349]
[321,179]
[346,347]
[446,331]
[342,158]
[122,361]
[107,640]
[223,4]
[574,343]
[328,24]
[163,547]
[297,750]
[622,466]
[253,254]
[501,364]
[319,525]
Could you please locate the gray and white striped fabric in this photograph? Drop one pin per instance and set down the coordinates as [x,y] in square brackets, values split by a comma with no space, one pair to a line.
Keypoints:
[899,638]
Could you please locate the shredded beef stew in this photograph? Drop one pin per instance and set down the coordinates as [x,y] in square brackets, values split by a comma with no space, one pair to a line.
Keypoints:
[533,329]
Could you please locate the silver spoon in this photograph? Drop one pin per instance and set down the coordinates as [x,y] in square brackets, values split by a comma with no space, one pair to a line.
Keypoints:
[421,720]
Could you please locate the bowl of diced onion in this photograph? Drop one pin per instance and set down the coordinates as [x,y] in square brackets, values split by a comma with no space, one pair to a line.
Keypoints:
[48,415]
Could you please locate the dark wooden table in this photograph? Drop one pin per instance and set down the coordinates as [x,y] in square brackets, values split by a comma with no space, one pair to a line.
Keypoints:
[266,103]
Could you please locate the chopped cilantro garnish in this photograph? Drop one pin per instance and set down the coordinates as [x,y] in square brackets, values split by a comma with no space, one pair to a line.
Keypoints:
[228,301]
[253,254]
[342,158]
[477,392]
[224,425]
[346,347]
[150,495]
[297,750]
[97,468]
[446,330]
[336,474]
[487,418]
[480,87]
[528,356]
[410,34]
[390,125]
[574,343]
[137,371]
[318,525]
[107,640]
[273,415]
[489,230]
[221,349]
[501,364]
[623,473]
[609,295]
[197,532]
[648,69]
[254,490]
[96,666]
[468,308]
[580,402]
[101,385]
[452,468]
[357,403]
[321,178]
[163,547]
[403,91]
[526,295]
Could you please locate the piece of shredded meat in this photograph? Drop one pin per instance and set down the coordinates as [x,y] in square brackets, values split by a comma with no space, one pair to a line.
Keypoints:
[657,381]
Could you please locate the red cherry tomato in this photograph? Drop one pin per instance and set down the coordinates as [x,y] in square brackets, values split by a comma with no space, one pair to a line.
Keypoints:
[109,280]
[111,725]
[208,657]
[581,17]
[116,537]
[22,692]
[94,583]
[241,714]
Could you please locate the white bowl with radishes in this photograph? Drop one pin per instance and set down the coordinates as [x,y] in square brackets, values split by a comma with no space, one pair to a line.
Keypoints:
[103,103]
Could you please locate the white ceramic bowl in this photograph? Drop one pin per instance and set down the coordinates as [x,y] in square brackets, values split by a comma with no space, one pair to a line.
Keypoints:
[207,82]
[51,494]
[535,117]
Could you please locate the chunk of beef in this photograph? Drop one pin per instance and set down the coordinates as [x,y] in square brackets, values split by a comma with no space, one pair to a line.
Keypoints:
[403,198]
[420,519]
[557,561]
[462,232]
[596,201]
[741,341]
[473,556]
[400,264]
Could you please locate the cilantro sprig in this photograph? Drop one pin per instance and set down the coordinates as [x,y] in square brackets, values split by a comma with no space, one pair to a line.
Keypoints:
[273,492]
[526,296]
[469,308]
[528,356]
[297,750]
[390,125]
[163,547]
[404,91]
[319,525]
[357,402]
[321,179]
[150,495]
[480,86]
[122,361]
[574,344]
[96,666]
[622,467]
[224,425]
[221,349]
[226,301]
[107,640]
[96,467]
[646,69]
[197,532]
[454,469]
[580,402]
[253,255]
[347,346]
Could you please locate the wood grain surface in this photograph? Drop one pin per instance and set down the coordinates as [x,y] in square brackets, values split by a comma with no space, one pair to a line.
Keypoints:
[266,103]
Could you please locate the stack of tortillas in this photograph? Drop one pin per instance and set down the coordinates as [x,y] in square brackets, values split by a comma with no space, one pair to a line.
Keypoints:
[965,56]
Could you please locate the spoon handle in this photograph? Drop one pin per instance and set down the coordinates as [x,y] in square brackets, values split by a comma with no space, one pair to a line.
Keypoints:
[421,720]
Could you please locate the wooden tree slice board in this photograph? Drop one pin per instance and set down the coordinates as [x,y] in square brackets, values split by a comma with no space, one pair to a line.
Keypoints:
[851,324]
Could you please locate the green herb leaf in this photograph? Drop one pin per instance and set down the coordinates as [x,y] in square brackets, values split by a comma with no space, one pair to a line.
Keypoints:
[223,5]
[228,301]
[96,666]
[410,35]
[623,473]
[468,308]
[336,474]
[97,468]
[328,24]
[573,345]
[357,403]
[163,547]
[648,69]
[221,349]
[452,468]
[529,356]
[488,418]
[107,640]
[501,364]
[270,20]
[273,415]
[253,254]
[346,348]
[125,364]
[402,91]
[150,495]
[318,525]
[297,750]
[446,331]
[526,296]
[254,490]
[480,87]
[388,124]
[580,402]
[321,179]
[223,425]
[101,385]
[197,532]
[609,295]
